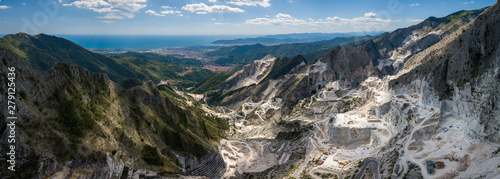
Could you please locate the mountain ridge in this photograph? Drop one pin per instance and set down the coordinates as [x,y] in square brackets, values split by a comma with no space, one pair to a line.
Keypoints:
[87,119]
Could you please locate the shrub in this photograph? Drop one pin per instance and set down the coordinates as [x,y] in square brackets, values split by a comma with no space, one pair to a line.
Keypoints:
[130,83]
[151,155]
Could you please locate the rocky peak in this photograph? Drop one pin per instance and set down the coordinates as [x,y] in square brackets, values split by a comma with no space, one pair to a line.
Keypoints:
[392,50]
[252,73]
[349,64]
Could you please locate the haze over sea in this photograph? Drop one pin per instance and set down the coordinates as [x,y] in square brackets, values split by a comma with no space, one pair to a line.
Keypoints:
[145,41]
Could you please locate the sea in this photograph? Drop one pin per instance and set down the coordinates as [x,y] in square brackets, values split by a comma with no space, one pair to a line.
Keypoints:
[145,41]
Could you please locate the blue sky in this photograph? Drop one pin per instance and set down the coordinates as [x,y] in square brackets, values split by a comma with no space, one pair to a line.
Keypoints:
[205,17]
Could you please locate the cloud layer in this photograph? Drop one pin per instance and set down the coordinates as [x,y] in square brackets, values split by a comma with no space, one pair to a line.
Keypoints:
[202,8]
[263,3]
[151,12]
[369,19]
[114,9]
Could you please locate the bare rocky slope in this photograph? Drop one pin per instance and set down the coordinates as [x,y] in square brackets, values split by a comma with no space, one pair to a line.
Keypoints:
[419,95]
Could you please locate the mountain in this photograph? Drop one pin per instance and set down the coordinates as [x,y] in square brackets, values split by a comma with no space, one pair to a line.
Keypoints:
[256,40]
[392,50]
[350,65]
[80,120]
[41,51]
[252,73]
[244,54]
[156,69]
[419,102]
[289,38]
[163,58]
[283,66]
[464,67]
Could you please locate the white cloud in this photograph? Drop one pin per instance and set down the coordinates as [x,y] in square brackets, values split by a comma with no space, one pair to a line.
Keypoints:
[202,8]
[370,14]
[166,7]
[470,2]
[218,23]
[279,19]
[4,7]
[213,19]
[370,20]
[416,4]
[263,3]
[171,12]
[366,21]
[212,1]
[24,4]
[109,22]
[151,12]
[130,5]
[111,15]
[113,8]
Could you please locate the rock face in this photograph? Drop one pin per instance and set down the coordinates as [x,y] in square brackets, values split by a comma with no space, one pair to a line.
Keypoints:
[351,65]
[465,73]
[211,166]
[349,137]
[391,51]
[348,65]
[76,123]
[427,92]
[252,73]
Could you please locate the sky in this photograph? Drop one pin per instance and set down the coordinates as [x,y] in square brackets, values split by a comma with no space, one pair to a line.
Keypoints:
[220,17]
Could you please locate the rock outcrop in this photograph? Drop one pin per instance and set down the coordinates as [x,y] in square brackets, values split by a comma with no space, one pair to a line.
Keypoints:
[71,122]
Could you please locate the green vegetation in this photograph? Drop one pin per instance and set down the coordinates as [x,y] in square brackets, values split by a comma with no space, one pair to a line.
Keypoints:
[130,83]
[282,66]
[184,134]
[381,37]
[455,17]
[41,51]
[163,58]
[76,115]
[216,97]
[156,70]
[213,81]
[169,92]
[124,173]
[193,78]
[246,53]
[148,69]
[151,156]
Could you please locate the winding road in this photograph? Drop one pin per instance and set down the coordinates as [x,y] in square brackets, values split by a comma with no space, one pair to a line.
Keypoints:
[320,170]
[283,149]
[375,167]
